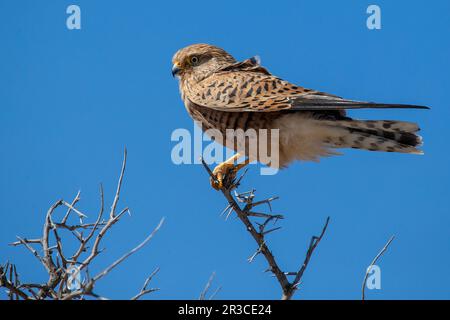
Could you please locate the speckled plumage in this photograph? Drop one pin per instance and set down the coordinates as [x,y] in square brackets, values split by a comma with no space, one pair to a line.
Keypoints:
[225,94]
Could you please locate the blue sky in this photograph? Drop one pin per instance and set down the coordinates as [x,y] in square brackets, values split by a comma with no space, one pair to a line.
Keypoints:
[71,101]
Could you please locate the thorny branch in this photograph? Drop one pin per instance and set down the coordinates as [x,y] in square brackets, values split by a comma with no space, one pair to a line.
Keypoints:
[258,230]
[49,250]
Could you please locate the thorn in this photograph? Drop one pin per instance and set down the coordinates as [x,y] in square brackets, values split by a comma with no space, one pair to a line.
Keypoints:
[223,212]
[271,230]
[250,260]
[229,213]
[238,182]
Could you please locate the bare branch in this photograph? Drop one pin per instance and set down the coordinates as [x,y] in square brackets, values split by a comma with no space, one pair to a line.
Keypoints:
[95,248]
[59,248]
[8,284]
[48,225]
[24,241]
[312,246]
[244,214]
[215,293]
[32,250]
[119,185]
[207,287]
[125,256]
[55,261]
[144,289]
[83,242]
[80,214]
[372,264]
[74,202]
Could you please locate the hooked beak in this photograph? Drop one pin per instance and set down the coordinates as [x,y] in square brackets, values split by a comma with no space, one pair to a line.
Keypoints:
[175,69]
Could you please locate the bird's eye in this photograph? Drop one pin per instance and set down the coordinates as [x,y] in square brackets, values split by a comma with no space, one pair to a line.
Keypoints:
[194,60]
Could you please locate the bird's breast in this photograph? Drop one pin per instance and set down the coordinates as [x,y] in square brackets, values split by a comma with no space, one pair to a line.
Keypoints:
[222,120]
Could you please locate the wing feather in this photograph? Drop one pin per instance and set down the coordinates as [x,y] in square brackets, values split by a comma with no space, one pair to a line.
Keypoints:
[247,87]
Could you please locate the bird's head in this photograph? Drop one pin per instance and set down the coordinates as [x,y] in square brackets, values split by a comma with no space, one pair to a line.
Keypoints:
[198,61]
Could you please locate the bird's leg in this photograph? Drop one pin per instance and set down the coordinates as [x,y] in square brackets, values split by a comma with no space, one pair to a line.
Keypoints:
[227,168]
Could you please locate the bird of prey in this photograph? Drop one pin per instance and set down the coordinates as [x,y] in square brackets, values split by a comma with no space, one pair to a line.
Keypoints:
[222,93]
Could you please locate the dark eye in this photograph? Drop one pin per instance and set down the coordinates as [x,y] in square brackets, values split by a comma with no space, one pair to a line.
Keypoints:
[194,60]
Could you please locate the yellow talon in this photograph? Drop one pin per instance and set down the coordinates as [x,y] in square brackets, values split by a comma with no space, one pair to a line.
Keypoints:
[225,170]
[220,172]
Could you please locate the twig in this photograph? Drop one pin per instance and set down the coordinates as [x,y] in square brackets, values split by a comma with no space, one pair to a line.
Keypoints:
[125,256]
[12,288]
[88,287]
[95,248]
[74,202]
[119,185]
[83,242]
[312,246]
[372,264]
[214,293]
[24,241]
[144,289]
[48,225]
[207,287]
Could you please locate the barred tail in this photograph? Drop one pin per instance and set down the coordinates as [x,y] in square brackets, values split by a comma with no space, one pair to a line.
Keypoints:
[379,135]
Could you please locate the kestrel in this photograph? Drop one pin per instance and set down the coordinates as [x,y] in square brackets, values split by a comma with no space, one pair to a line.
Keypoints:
[222,93]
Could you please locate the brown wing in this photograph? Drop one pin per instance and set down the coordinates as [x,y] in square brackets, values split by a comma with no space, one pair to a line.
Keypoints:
[248,87]
[238,91]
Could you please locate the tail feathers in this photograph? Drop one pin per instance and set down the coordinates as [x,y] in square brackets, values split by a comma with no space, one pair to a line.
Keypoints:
[382,125]
[382,135]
